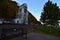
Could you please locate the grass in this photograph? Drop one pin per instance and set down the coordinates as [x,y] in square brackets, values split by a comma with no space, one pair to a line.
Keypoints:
[49,30]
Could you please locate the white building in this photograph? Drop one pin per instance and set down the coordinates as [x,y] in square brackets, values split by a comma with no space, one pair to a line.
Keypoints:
[59,22]
[1,20]
[22,15]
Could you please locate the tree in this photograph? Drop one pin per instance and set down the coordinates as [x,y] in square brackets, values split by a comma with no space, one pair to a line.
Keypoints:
[12,9]
[50,13]
[8,9]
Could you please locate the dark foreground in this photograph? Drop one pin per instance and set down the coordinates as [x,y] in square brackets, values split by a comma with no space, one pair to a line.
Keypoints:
[29,34]
[38,36]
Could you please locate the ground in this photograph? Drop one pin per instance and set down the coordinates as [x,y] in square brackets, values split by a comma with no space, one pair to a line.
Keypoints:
[34,35]
[37,36]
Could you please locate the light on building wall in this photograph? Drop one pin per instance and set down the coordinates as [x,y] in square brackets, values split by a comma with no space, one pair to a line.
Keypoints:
[59,23]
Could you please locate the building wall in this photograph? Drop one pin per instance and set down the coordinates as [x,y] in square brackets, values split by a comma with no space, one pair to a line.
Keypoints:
[22,15]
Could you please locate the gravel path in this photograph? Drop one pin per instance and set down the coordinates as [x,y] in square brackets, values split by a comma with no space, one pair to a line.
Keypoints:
[38,36]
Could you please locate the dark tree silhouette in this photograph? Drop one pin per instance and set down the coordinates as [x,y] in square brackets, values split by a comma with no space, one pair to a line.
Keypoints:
[50,13]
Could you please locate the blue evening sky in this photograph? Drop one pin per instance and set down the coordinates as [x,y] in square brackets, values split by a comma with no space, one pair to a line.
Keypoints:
[36,6]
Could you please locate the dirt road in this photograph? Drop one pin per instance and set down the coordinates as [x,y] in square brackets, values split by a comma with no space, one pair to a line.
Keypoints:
[38,36]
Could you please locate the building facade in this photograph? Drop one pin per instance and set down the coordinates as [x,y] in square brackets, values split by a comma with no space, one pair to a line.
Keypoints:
[22,15]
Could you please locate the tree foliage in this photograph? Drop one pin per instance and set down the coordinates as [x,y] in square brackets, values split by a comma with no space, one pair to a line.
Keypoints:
[50,13]
[8,9]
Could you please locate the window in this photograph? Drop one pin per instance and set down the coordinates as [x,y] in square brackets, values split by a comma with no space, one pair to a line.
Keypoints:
[17,21]
[25,10]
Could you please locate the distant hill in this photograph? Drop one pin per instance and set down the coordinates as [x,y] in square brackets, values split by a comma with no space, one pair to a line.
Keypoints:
[32,19]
